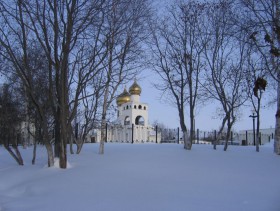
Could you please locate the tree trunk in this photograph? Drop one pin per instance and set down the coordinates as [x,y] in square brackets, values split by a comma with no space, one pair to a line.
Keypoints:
[63,107]
[57,133]
[72,138]
[81,143]
[192,128]
[228,134]
[277,125]
[258,124]
[227,138]
[215,140]
[46,141]
[79,148]
[103,126]
[103,121]
[34,152]
[16,156]
[71,146]
[50,155]
[187,141]
[63,142]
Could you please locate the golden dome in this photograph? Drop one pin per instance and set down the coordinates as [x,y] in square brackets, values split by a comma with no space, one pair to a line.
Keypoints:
[135,89]
[123,97]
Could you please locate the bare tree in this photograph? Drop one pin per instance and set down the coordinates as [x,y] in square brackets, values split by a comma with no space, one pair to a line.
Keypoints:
[88,117]
[224,56]
[256,73]
[263,28]
[69,36]
[125,30]
[177,48]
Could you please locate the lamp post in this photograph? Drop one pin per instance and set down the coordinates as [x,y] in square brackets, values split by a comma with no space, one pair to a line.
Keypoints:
[253,117]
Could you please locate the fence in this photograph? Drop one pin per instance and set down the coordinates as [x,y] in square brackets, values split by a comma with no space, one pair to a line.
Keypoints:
[207,137]
[141,134]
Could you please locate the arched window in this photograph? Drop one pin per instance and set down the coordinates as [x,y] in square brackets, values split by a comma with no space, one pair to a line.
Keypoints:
[144,107]
[140,107]
[135,106]
[139,120]
[127,120]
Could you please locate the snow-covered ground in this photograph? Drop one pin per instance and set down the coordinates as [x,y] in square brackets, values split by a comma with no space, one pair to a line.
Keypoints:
[145,177]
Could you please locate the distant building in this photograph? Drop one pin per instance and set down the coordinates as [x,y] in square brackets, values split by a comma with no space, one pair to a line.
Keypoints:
[132,120]
[265,136]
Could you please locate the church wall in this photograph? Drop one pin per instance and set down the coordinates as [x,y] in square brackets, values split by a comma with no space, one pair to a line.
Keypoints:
[118,134]
[129,109]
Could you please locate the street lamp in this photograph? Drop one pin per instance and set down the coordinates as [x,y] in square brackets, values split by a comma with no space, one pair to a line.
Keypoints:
[253,117]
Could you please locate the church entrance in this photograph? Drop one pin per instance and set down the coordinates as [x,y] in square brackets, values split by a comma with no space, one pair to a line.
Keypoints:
[139,120]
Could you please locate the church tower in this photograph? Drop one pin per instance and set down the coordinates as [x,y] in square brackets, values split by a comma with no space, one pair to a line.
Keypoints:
[130,109]
[132,125]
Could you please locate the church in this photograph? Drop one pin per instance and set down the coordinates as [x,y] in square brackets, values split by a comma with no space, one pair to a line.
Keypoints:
[132,124]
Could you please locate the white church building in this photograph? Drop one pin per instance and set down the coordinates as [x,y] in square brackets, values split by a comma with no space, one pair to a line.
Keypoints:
[132,121]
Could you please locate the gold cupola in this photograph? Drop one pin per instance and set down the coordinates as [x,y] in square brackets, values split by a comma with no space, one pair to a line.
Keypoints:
[123,97]
[135,89]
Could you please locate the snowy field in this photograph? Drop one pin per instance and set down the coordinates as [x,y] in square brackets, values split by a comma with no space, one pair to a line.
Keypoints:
[145,177]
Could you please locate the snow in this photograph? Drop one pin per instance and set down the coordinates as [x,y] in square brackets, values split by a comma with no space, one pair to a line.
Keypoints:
[144,177]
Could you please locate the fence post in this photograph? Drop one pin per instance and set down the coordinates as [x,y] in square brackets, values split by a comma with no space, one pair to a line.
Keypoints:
[214,142]
[204,136]
[231,137]
[197,135]
[246,137]
[132,133]
[178,134]
[106,132]
[156,133]
[272,135]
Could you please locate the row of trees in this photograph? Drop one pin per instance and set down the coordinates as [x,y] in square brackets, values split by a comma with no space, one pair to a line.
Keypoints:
[223,51]
[68,58]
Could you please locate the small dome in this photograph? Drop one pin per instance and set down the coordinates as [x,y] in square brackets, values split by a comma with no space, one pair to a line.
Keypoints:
[123,97]
[135,89]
